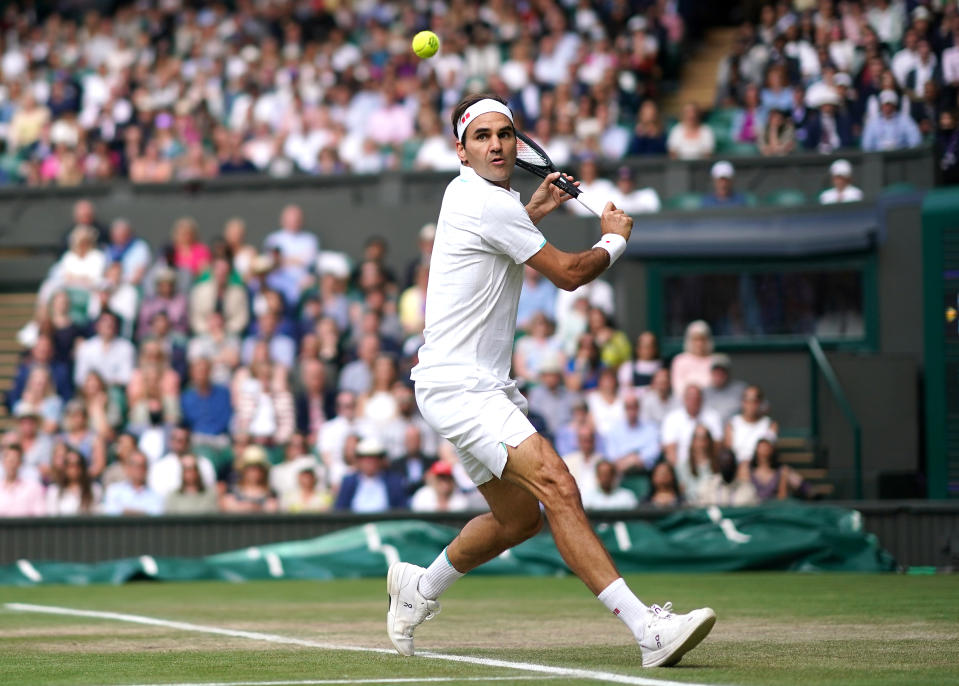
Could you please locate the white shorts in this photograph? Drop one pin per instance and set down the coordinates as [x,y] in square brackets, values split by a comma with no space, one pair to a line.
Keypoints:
[480,423]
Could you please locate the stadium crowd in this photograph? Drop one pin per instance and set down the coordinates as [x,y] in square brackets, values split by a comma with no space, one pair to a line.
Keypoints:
[245,378]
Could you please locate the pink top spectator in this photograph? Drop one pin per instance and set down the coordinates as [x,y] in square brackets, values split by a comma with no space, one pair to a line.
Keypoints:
[22,499]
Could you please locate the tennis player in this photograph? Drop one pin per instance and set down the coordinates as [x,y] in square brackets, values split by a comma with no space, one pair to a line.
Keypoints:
[484,236]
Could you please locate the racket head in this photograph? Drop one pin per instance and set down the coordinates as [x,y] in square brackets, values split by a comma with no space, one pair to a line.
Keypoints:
[531,157]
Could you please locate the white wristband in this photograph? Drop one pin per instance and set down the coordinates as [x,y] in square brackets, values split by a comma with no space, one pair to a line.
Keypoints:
[614,244]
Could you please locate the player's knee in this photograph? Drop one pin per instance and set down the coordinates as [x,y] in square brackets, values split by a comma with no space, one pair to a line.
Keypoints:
[530,526]
[559,489]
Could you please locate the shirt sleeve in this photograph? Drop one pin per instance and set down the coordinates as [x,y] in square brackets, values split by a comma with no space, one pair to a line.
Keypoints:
[508,228]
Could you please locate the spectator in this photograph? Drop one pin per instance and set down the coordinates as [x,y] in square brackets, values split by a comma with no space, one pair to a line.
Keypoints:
[413,464]
[20,496]
[166,300]
[222,293]
[724,195]
[947,147]
[84,214]
[124,446]
[333,437]
[39,394]
[297,249]
[749,122]
[411,307]
[695,364]
[649,137]
[777,137]
[582,369]
[690,139]
[265,412]
[372,488]
[222,349]
[701,465]
[678,426]
[665,487]
[537,348]
[36,447]
[724,393]
[282,348]
[439,494]
[357,376]
[111,357]
[828,126]
[80,269]
[632,444]
[658,400]
[748,427]
[190,255]
[307,496]
[730,486]
[891,129]
[608,494]
[634,200]
[378,407]
[605,403]
[206,406]
[926,70]
[192,497]
[425,240]
[772,480]
[638,373]
[313,401]
[842,189]
[132,496]
[590,182]
[252,492]
[582,461]
[777,94]
[72,491]
[166,474]
[41,356]
[132,253]
[550,398]
[906,59]
[538,296]
[296,458]
[155,404]
[121,298]
[613,344]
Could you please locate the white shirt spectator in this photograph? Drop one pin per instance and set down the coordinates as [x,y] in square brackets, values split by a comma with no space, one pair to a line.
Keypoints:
[832,196]
[605,415]
[599,188]
[902,63]
[950,65]
[678,428]
[686,148]
[745,435]
[639,201]
[166,475]
[114,361]
[88,268]
[425,500]
[620,499]
[437,153]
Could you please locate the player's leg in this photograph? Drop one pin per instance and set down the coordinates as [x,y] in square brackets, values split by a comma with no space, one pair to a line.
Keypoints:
[663,636]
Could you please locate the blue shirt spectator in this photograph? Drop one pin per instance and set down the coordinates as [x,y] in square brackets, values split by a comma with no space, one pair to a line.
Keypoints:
[372,488]
[131,252]
[631,442]
[723,193]
[41,355]
[206,407]
[282,348]
[538,295]
[132,496]
[297,249]
[891,129]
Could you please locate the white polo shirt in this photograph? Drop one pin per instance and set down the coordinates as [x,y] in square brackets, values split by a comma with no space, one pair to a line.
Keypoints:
[483,237]
[832,195]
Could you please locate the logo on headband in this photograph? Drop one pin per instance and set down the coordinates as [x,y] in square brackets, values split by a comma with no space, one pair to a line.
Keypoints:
[465,117]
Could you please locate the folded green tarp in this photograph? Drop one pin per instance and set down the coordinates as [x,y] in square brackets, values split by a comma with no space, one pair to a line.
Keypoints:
[779,537]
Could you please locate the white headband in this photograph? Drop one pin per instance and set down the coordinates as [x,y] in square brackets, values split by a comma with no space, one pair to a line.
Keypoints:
[478,108]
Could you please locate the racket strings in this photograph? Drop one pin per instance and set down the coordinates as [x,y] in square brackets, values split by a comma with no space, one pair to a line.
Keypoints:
[529,155]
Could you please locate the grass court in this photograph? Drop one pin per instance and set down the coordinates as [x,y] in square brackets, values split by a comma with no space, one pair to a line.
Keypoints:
[773,628]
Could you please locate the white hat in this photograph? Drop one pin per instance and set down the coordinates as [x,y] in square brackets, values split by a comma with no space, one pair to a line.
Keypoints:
[722,170]
[920,13]
[333,263]
[428,232]
[841,168]
[370,446]
[888,96]
[842,79]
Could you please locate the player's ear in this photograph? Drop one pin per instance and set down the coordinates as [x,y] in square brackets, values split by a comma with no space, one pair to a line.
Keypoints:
[461,153]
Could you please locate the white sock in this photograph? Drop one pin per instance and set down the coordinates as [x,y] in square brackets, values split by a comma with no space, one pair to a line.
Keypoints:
[624,604]
[438,577]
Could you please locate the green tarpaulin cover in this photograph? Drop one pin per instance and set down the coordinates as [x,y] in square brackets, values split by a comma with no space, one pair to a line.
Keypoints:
[779,537]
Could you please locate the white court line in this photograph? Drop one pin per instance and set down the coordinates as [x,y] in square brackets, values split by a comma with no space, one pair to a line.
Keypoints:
[593,675]
[323,682]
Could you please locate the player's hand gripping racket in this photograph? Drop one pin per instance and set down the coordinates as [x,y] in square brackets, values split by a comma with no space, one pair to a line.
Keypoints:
[533,159]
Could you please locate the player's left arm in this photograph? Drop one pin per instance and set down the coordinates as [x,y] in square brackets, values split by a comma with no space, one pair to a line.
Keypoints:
[546,198]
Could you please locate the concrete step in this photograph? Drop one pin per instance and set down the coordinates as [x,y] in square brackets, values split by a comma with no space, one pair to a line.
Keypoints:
[806,457]
[824,490]
[698,79]
[813,473]
[18,299]
[10,345]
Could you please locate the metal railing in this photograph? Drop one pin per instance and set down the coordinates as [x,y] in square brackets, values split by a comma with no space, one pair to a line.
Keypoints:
[819,363]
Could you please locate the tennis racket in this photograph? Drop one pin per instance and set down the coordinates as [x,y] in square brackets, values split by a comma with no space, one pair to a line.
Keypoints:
[532,158]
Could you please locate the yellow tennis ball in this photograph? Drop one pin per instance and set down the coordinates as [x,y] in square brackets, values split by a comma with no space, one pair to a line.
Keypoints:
[425,44]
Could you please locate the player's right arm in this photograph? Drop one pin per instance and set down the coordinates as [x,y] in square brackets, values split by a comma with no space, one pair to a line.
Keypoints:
[570,270]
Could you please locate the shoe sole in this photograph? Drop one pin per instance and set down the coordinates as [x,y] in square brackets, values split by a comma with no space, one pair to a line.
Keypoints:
[692,639]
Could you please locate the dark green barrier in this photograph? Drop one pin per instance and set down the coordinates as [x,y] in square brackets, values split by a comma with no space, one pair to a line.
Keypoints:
[785,537]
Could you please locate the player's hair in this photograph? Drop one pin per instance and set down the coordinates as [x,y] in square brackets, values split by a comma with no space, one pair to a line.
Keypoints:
[467,102]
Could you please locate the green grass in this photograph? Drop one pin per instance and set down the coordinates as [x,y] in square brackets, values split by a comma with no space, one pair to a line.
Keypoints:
[773,629]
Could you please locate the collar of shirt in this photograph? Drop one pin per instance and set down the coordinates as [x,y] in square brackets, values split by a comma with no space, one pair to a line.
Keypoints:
[469,174]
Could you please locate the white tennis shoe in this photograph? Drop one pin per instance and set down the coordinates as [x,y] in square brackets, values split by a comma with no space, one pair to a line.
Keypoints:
[670,636]
[408,607]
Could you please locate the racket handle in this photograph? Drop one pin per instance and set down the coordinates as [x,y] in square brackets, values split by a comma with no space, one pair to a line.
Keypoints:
[592,203]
